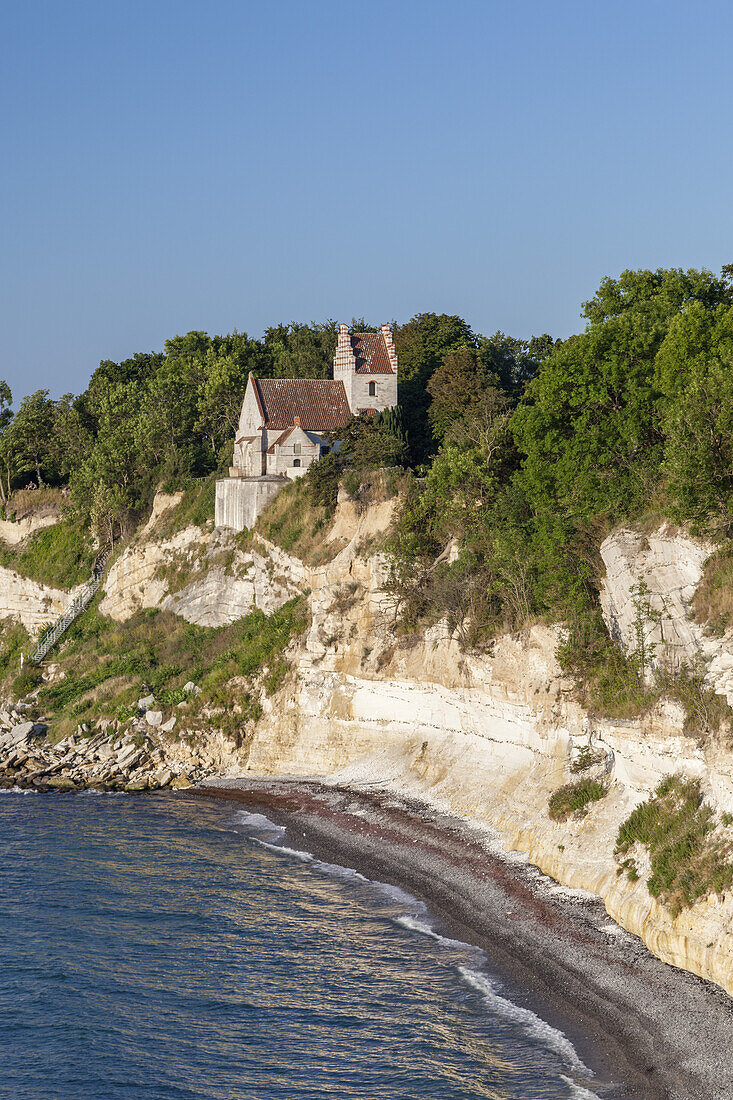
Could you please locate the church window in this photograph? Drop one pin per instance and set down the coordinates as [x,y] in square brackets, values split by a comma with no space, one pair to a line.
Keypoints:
[372,389]
[296,462]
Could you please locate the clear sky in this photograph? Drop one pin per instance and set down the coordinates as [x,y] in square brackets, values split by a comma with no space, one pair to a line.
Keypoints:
[171,165]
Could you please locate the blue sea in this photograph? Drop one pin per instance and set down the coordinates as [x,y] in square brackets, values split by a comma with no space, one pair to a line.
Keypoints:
[167,948]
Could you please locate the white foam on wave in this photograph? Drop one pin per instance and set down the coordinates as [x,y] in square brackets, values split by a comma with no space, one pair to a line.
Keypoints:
[18,790]
[577,1092]
[395,893]
[533,1026]
[414,924]
[304,857]
[257,822]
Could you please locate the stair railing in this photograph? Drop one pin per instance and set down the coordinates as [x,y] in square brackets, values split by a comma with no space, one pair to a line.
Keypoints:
[76,608]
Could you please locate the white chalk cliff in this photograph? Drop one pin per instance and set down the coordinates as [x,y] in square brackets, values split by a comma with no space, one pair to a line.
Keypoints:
[487,736]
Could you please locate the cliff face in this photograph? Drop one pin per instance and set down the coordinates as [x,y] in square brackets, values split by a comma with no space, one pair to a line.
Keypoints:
[488,736]
[657,575]
[34,605]
[203,576]
[491,737]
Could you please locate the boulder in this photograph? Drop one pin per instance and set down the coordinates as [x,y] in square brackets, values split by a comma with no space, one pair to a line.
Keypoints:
[60,783]
[129,757]
[169,726]
[145,703]
[191,688]
[154,718]
[24,732]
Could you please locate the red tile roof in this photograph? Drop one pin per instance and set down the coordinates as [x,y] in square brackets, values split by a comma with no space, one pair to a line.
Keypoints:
[320,403]
[371,353]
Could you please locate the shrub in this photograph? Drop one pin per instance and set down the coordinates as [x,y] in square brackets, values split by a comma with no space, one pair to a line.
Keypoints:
[688,858]
[26,681]
[574,798]
[15,640]
[607,682]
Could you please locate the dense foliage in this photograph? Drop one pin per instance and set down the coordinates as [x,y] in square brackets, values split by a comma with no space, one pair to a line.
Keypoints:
[526,452]
[630,418]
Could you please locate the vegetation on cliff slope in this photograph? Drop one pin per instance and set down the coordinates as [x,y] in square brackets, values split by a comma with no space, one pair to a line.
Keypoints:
[575,798]
[520,455]
[107,666]
[689,853]
[60,556]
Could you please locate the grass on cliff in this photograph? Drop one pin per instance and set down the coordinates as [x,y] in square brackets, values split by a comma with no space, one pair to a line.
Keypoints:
[299,525]
[301,515]
[33,503]
[574,799]
[109,665]
[195,509]
[690,857]
[713,600]
[60,556]
[611,685]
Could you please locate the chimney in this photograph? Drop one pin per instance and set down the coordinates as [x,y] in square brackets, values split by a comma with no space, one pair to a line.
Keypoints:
[296,421]
[389,344]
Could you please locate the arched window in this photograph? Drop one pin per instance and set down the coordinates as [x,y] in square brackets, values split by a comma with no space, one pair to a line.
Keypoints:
[372,389]
[296,462]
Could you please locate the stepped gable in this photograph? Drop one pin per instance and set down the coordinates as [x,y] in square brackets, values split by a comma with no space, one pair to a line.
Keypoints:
[318,403]
[371,354]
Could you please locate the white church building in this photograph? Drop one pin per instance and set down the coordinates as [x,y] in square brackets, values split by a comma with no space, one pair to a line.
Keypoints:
[285,423]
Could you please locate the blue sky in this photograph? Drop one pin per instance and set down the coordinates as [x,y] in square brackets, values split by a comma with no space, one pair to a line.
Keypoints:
[178,165]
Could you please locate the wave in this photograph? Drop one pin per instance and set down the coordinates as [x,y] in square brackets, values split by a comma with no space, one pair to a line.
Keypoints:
[395,893]
[577,1092]
[257,822]
[18,790]
[533,1026]
[304,857]
[416,925]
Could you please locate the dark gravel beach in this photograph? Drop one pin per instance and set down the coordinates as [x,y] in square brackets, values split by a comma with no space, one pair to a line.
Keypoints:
[664,1032]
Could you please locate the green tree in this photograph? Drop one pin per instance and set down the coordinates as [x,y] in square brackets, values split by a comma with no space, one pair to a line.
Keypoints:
[33,439]
[457,389]
[301,350]
[6,453]
[221,390]
[421,345]
[368,442]
[694,370]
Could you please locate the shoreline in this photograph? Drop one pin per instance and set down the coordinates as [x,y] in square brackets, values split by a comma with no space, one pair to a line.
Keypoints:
[663,1033]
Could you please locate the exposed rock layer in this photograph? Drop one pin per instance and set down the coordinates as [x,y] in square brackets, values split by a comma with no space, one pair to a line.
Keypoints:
[34,605]
[489,737]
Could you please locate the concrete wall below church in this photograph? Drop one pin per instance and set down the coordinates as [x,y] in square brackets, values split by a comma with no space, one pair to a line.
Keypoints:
[240,500]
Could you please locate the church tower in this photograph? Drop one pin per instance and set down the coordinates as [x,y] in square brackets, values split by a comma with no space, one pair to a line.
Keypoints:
[366,363]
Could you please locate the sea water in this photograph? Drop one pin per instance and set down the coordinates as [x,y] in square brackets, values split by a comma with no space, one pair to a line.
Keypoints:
[171,948]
